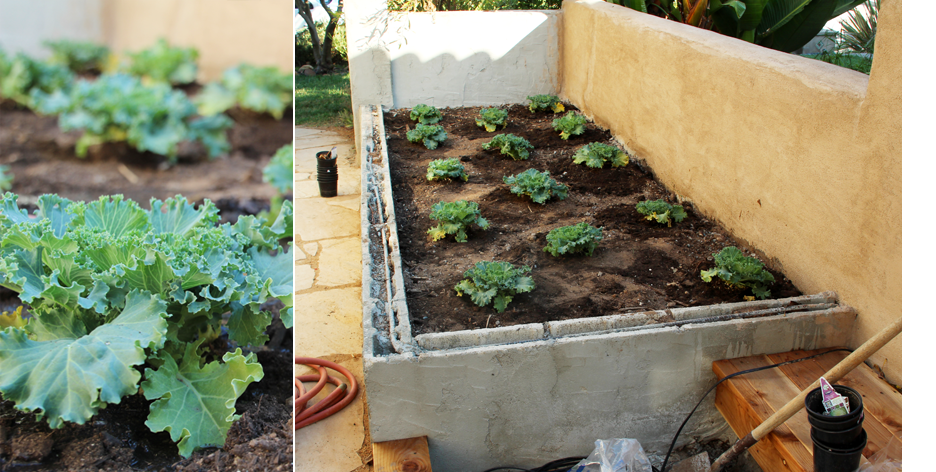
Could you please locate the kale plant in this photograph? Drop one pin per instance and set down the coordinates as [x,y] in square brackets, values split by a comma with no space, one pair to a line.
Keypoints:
[79,56]
[430,135]
[113,288]
[6,178]
[455,218]
[119,107]
[582,237]
[539,186]
[425,114]
[494,281]
[661,212]
[545,103]
[738,270]
[451,168]
[597,154]
[510,145]
[259,89]
[22,78]
[572,123]
[491,118]
[279,173]
[162,63]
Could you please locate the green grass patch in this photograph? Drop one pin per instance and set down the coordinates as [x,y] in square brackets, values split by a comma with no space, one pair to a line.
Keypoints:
[324,100]
[849,61]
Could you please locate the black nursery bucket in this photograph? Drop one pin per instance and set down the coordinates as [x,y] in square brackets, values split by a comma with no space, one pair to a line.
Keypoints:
[832,459]
[327,172]
[817,417]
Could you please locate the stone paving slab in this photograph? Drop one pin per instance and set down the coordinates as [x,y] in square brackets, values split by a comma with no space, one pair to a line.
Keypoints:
[331,322]
[321,218]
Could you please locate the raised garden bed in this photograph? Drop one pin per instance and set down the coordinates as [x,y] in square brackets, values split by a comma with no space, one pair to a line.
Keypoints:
[639,265]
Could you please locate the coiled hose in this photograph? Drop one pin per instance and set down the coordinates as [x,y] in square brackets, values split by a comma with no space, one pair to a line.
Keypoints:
[339,398]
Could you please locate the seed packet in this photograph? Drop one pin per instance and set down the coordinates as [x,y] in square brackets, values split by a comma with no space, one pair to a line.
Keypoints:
[834,403]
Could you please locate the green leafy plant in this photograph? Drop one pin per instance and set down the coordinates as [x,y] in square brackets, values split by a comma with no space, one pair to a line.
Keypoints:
[661,212]
[572,123]
[545,103]
[455,218]
[451,168]
[425,114]
[595,155]
[494,281]
[279,173]
[12,319]
[6,178]
[510,145]
[79,56]
[491,118]
[260,89]
[860,28]
[112,288]
[738,270]
[581,237]
[21,77]
[539,186]
[430,135]
[163,63]
[119,107]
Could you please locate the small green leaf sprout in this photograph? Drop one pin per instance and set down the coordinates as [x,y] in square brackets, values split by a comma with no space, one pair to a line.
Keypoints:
[451,168]
[510,145]
[661,212]
[595,155]
[495,281]
[491,118]
[455,218]
[539,186]
[581,237]
[572,123]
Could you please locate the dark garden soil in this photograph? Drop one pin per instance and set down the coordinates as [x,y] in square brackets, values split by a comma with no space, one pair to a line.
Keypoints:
[42,160]
[639,265]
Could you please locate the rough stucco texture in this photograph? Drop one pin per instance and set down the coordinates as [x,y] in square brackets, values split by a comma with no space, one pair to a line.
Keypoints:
[800,158]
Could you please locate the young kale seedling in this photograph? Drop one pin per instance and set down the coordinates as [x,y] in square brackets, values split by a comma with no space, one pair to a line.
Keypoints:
[510,145]
[491,118]
[494,281]
[597,154]
[582,237]
[538,185]
[430,135]
[451,168]
[570,124]
[425,114]
[738,270]
[163,63]
[79,56]
[454,218]
[545,102]
[661,212]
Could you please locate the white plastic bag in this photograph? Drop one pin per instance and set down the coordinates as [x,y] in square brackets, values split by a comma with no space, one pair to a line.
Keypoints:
[615,455]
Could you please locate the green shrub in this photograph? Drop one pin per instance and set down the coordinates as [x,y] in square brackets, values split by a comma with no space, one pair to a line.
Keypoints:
[597,154]
[545,103]
[738,270]
[425,114]
[455,218]
[510,145]
[491,118]
[661,212]
[572,123]
[581,237]
[79,56]
[539,186]
[494,281]
[430,135]
[441,169]
[163,63]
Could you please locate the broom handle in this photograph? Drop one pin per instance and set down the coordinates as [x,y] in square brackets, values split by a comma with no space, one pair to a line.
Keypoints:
[834,374]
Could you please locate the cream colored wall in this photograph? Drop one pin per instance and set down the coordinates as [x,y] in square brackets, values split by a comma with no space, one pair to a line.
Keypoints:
[799,158]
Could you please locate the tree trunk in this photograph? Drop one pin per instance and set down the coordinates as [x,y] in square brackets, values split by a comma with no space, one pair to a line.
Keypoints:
[320,53]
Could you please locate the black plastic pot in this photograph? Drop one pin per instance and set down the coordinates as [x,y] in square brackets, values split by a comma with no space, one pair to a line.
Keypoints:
[832,459]
[325,159]
[843,438]
[816,411]
[328,189]
[833,425]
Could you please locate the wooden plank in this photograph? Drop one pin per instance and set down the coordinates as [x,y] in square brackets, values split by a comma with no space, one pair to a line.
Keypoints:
[402,455]
[882,403]
[744,406]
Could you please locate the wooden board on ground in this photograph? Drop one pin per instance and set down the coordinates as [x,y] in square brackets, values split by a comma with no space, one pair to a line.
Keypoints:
[402,455]
[746,401]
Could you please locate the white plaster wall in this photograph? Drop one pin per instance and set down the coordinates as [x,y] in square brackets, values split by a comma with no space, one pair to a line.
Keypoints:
[25,25]
[528,403]
[476,58]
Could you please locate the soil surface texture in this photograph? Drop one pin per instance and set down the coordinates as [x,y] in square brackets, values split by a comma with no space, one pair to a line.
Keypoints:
[42,160]
[639,265]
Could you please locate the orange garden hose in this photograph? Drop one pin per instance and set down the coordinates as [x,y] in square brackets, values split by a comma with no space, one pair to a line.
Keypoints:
[340,397]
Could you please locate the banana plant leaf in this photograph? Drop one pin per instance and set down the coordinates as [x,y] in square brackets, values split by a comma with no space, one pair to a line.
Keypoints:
[800,29]
[778,13]
[845,5]
[639,5]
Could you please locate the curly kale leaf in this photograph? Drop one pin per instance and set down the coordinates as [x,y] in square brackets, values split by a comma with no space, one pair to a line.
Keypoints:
[455,218]
[425,114]
[545,103]
[259,89]
[661,212]
[510,145]
[25,80]
[491,118]
[595,155]
[572,123]
[736,269]
[495,281]
[430,135]
[279,172]
[162,63]
[539,186]
[78,56]
[581,237]
[451,168]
